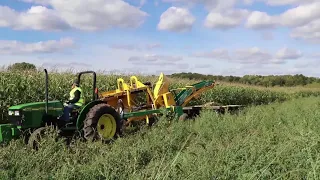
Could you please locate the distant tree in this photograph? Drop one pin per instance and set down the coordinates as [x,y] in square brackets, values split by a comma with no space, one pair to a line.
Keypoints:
[22,67]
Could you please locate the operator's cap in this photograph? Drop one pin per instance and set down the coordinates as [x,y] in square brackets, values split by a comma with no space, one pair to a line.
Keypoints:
[76,82]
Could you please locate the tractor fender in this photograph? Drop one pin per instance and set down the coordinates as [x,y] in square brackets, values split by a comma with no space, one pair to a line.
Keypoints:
[83,113]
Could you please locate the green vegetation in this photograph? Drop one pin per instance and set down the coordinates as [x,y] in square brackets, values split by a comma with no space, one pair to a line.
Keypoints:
[22,67]
[264,142]
[278,139]
[267,81]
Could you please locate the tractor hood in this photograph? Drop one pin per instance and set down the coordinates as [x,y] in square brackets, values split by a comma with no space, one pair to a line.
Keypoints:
[31,115]
[52,105]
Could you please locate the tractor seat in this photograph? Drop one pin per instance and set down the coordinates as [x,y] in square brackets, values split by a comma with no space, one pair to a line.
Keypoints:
[74,110]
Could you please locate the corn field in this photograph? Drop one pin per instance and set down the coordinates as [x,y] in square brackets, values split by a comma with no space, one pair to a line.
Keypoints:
[278,140]
[24,87]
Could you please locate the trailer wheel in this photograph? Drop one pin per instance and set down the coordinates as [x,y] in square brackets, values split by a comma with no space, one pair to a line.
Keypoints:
[102,123]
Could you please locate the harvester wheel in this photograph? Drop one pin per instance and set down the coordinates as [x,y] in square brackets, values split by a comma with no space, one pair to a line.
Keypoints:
[120,107]
[102,123]
[183,117]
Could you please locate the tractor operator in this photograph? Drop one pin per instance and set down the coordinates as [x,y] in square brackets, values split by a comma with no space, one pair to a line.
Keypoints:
[76,100]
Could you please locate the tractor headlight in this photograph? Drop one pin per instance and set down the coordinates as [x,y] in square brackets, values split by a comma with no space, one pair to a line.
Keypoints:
[11,113]
[16,113]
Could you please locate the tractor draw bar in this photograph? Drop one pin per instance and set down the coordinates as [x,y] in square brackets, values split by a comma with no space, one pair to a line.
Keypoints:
[95,95]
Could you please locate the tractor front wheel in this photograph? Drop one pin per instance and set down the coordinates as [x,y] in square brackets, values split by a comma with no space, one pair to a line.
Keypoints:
[102,123]
[36,136]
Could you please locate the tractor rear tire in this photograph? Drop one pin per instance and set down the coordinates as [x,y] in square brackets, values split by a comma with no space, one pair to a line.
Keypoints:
[92,126]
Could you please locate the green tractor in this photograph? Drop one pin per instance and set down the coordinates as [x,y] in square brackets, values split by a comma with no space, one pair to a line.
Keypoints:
[95,120]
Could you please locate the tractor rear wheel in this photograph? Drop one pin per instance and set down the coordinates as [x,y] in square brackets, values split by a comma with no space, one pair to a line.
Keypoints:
[102,123]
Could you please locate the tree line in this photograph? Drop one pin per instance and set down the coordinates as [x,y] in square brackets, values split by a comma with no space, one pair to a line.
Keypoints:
[259,80]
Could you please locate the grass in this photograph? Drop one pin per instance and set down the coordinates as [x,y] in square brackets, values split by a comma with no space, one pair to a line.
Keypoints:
[275,141]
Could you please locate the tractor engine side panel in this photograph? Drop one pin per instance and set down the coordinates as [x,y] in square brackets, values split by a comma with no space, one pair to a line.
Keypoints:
[32,115]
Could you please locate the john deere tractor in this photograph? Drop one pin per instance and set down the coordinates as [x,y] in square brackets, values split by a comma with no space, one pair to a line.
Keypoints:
[95,120]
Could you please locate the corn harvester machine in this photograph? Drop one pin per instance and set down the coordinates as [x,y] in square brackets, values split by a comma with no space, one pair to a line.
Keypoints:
[104,116]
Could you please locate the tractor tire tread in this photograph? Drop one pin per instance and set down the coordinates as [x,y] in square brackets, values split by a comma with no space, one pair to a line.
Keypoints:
[90,123]
[34,136]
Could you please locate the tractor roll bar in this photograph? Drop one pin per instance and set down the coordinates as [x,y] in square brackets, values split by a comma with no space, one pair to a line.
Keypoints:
[47,94]
[95,95]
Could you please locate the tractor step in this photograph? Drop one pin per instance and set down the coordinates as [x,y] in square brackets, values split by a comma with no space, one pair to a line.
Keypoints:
[8,132]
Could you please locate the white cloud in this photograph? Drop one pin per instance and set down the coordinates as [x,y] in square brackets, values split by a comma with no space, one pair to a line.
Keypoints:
[287,2]
[304,19]
[314,55]
[214,54]
[252,55]
[309,32]
[307,64]
[80,14]
[210,4]
[286,53]
[153,46]
[294,17]
[35,18]
[124,46]
[135,47]
[155,58]
[222,13]
[99,14]
[260,20]
[226,19]
[42,2]
[182,66]
[176,19]
[52,46]
[142,2]
[202,66]
[300,15]
[243,56]
[167,63]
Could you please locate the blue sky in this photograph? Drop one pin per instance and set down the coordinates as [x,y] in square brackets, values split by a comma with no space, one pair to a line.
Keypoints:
[228,37]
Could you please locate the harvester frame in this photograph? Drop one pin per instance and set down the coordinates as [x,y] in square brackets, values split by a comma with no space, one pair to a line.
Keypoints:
[159,100]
